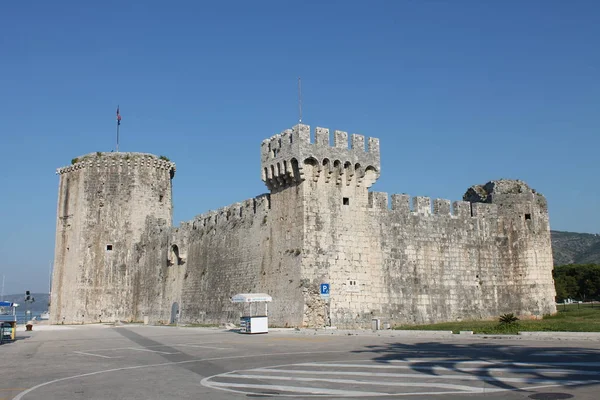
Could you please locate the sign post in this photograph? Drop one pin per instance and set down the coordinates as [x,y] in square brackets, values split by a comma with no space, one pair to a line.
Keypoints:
[324,291]
[324,288]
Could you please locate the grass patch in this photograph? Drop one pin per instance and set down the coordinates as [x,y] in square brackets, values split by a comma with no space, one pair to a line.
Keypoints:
[570,318]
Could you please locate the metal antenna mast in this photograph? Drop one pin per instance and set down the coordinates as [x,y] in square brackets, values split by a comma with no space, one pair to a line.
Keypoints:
[300,100]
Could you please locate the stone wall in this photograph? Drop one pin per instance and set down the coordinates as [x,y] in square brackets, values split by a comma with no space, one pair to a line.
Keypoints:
[468,263]
[249,247]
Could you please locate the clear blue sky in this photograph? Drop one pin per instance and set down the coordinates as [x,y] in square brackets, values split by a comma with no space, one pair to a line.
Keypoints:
[459,92]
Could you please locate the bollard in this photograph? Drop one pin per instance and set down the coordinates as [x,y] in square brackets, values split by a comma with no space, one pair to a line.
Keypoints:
[29,327]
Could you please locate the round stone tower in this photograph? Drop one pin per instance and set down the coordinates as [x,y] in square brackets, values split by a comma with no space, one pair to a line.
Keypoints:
[105,201]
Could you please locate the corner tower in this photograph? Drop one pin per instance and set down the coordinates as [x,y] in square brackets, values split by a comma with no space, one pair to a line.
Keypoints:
[527,247]
[103,202]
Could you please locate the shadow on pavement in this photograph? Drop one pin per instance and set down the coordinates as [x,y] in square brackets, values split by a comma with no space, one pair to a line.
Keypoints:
[534,364]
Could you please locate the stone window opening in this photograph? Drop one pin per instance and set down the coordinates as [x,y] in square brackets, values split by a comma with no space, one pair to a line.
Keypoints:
[346,201]
[353,286]
[174,257]
[527,216]
[109,247]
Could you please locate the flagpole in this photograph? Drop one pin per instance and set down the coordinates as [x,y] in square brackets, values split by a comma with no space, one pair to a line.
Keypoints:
[118,125]
[299,100]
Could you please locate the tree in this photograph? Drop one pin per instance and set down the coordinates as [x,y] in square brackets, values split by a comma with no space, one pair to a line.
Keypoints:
[580,282]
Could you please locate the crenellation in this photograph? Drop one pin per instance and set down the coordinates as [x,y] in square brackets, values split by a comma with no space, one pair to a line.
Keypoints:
[340,139]
[283,161]
[262,203]
[302,133]
[322,136]
[378,200]
[373,146]
[358,142]
[461,209]
[401,202]
[109,160]
[422,205]
[441,207]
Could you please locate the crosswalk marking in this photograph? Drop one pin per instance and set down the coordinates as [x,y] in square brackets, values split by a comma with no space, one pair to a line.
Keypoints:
[296,389]
[519,364]
[401,377]
[353,382]
[424,376]
[434,368]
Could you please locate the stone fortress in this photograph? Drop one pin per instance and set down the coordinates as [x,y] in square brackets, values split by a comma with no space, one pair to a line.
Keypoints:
[118,257]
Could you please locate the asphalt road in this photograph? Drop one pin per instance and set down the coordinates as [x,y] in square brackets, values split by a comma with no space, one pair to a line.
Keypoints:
[142,362]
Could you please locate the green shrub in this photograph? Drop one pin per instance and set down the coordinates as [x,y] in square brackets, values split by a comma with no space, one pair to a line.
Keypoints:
[507,319]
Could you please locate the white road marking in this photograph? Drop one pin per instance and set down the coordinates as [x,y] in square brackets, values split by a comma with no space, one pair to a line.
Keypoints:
[434,368]
[95,355]
[355,382]
[166,364]
[434,361]
[426,376]
[147,347]
[298,389]
[150,351]
[209,381]
[201,346]
[502,363]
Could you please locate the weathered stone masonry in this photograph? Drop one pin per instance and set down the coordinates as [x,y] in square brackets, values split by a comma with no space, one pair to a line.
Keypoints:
[408,262]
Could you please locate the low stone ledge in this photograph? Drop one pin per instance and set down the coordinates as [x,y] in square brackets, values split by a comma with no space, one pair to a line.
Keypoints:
[421,333]
[561,335]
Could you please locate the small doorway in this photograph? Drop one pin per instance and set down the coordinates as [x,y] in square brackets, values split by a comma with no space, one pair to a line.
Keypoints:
[174,313]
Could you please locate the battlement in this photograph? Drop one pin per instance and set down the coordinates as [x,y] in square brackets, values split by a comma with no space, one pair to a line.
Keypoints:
[107,160]
[424,206]
[241,211]
[284,155]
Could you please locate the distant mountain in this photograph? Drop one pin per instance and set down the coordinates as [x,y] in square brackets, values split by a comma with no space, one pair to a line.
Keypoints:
[39,305]
[575,248]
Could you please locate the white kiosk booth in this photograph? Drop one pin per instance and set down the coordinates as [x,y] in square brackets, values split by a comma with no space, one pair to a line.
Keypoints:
[254,316]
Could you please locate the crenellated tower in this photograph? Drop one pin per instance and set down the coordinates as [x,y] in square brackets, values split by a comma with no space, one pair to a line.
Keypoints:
[290,157]
[323,188]
[103,202]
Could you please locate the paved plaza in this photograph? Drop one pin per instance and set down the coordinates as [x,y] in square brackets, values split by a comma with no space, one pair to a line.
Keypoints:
[145,362]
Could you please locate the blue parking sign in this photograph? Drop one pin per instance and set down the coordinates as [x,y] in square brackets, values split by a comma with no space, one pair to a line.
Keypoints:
[324,289]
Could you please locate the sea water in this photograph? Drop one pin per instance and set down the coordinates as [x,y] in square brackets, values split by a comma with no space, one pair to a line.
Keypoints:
[23,317]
